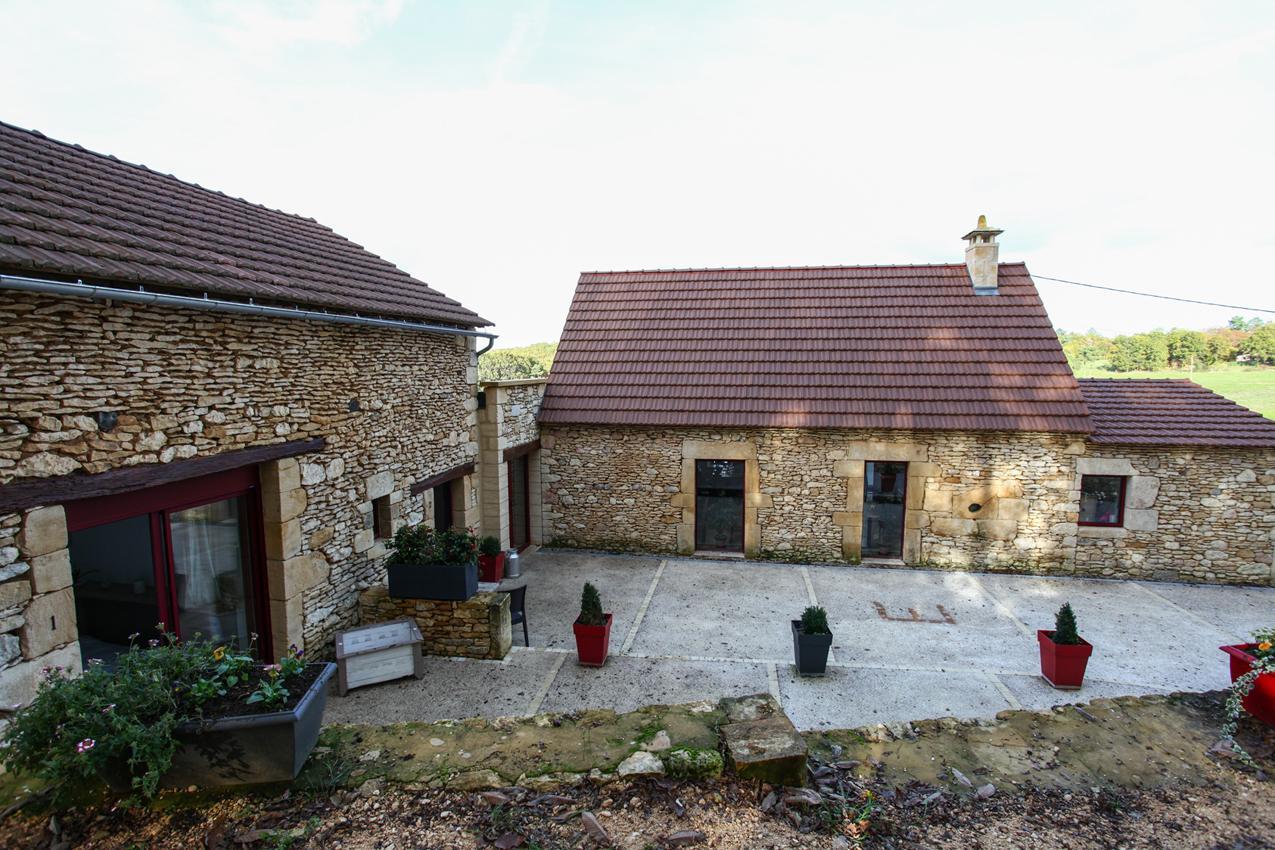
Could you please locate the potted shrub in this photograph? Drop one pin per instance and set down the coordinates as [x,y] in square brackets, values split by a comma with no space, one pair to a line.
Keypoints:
[811,640]
[171,714]
[1252,683]
[1064,654]
[592,629]
[429,564]
[491,560]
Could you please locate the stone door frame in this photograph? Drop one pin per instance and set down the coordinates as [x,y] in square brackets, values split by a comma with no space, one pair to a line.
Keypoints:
[852,468]
[693,450]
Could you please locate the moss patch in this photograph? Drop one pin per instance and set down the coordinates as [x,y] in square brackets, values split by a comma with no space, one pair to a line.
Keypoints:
[692,763]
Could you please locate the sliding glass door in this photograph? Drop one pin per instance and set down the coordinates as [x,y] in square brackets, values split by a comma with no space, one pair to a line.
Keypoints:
[186,555]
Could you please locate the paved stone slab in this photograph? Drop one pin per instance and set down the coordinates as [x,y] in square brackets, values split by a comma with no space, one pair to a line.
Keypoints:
[627,683]
[1033,692]
[847,697]
[871,613]
[1137,638]
[554,582]
[723,609]
[1237,610]
[451,689]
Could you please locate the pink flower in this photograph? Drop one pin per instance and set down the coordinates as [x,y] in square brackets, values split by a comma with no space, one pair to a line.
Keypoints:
[85,745]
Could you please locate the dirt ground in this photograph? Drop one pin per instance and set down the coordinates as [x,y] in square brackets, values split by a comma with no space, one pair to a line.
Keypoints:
[1114,774]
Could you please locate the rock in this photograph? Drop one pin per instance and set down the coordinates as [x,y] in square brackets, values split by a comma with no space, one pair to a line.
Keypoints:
[961,777]
[769,802]
[985,791]
[9,571]
[659,743]
[8,554]
[494,798]
[768,748]
[370,755]
[436,742]
[641,763]
[684,838]
[801,797]
[693,763]
[594,830]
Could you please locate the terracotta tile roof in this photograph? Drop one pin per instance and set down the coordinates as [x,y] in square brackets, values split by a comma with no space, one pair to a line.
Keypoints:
[69,212]
[1160,412]
[904,347]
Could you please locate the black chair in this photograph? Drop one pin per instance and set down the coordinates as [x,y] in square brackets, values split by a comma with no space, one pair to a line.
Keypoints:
[518,610]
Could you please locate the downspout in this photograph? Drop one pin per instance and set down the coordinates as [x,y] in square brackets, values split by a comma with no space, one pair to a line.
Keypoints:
[80,289]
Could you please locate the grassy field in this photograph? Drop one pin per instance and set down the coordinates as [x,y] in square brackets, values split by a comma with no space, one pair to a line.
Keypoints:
[1251,386]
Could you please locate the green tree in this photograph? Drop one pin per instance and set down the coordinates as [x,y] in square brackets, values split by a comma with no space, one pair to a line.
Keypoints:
[1145,352]
[1221,347]
[1189,349]
[1085,349]
[1260,344]
[507,366]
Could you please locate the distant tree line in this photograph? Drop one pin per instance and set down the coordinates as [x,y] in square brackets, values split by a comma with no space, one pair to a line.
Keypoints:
[514,364]
[1246,340]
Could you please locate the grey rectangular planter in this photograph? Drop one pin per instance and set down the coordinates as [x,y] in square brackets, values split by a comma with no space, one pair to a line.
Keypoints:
[811,651]
[448,582]
[250,748]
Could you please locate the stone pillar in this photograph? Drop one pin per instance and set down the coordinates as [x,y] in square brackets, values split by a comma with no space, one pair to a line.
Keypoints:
[37,605]
[289,572]
[492,471]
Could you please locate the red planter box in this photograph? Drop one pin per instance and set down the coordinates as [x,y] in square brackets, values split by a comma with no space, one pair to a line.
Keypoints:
[593,643]
[491,568]
[1260,701]
[1063,665]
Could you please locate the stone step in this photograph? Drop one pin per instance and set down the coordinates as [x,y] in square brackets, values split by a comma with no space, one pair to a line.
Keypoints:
[762,743]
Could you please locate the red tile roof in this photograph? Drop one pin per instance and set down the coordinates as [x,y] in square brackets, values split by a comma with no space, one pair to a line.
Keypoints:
[69,212]
[1161,412]
[901,347]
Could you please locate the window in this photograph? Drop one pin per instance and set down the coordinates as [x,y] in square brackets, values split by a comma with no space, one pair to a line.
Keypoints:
[382,519]
[1102,499]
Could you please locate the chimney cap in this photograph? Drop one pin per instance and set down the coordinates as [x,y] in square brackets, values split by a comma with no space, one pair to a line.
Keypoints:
[982,229]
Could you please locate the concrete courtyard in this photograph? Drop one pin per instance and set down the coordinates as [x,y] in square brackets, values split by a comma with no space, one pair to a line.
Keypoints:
[908,644]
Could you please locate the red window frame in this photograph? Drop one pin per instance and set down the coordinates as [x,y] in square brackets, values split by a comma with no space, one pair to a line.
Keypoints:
[161,501]
[1119,522]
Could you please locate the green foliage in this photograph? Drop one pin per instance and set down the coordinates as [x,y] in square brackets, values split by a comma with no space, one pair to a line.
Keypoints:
[814,621]
[512,364]
[1147,351]
[1086,348]
[591,613]
[1189,349]
[1239,323]
[421,545]
[692,763]
[489,546]
[1260,344]
[109,721]
[1065,626]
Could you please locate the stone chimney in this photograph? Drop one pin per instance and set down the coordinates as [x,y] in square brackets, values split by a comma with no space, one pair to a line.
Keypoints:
[982,257]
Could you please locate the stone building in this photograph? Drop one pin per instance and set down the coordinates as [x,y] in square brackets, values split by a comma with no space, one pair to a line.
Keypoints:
[212,414]
[908,415]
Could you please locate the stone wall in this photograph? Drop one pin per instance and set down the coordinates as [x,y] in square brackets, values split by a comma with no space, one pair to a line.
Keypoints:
[476,628]
[507,421]
[395,407]
[1204,515]
[1001,501]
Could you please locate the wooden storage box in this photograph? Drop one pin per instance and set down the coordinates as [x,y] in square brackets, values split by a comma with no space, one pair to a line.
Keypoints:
[378,653]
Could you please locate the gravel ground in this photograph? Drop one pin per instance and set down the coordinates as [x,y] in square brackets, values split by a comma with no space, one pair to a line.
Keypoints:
[1236,815]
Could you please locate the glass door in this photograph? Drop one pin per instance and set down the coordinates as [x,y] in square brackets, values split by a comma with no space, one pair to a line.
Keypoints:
[183,554]
[884,494]
[719,505]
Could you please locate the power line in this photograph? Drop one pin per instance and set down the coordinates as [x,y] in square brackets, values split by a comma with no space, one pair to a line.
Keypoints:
[1154,295]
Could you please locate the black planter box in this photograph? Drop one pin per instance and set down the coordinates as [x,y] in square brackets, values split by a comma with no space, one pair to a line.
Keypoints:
[451,582]
[811,651]
[243,750]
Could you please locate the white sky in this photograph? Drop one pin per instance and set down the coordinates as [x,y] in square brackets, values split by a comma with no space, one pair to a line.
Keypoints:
[497,149]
